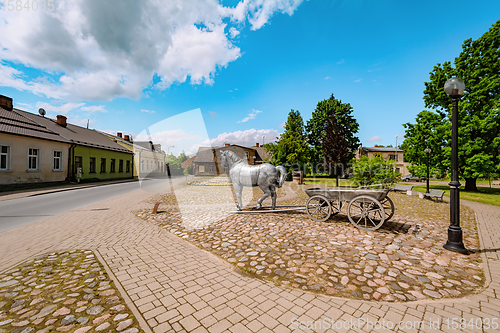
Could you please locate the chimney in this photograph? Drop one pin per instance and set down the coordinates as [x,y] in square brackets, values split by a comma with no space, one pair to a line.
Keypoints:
[61,120]
[6,103]
[119,134]
[257,145]
[127,138]
[227,144]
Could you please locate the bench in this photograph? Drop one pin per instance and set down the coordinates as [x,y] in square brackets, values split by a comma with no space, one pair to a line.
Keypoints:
[438,194]
[403,188]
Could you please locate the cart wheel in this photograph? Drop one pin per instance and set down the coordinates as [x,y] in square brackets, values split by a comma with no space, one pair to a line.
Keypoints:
[388,208]
[366,213]
[336,206]
[318,208]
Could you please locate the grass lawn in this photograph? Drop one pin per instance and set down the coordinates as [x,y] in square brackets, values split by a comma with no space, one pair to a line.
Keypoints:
[484,194]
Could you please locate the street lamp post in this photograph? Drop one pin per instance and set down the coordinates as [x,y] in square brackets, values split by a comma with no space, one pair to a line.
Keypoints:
[263,137]
[427,151]
[454,87]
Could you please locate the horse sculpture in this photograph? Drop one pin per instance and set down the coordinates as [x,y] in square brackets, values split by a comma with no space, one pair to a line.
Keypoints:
[266,176]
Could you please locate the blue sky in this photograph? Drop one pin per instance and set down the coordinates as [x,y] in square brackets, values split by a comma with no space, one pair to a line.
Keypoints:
[243,64]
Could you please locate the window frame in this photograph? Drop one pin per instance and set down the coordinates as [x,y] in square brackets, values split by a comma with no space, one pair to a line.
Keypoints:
[127,166]
[120,166]
[112,166]
[92,169]
[103,170]
[37,156]
[7,159]
[60,158]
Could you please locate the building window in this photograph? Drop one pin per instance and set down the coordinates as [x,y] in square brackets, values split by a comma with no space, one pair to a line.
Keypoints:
[127,167]
[392,157]
[4,157]
[103,165]
[112,167]
[92,165]
[246,155]
[120,166]
[201,168]
[57,165]
[211,169]
[33,154]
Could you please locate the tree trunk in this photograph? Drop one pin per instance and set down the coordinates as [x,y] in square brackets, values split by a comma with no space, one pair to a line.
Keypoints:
[337,180]
[470,184]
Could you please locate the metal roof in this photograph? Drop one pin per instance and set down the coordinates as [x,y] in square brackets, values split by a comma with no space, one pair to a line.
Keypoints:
[76,134]
[12,122]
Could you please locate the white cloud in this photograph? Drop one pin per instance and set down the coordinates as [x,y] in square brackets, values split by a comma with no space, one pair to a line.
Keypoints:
[213,114]
[358,80]
[233,32]
[61,109]
[148,111]
[375,139]
[250,116]
[99,50]
[93,108]
[260,11]
[11,77]
[177,138]
[246,138]
[327,78]
[340,62]
[83,122]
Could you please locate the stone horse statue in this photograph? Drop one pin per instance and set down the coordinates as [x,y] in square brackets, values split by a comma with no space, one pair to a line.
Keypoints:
[266,176]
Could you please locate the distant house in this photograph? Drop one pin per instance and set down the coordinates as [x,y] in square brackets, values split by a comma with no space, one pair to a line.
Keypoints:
[98,157]
[187,163]
[387,153]
[207,160]
[29,152]
[149,159]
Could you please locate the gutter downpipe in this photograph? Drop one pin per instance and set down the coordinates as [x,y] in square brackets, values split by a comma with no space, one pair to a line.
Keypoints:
[70,167]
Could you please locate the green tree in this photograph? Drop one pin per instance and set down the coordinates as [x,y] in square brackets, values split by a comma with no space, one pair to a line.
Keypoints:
[331,134]
[291,149]
[478,65]
[429,131]
[174,163]
[373,170]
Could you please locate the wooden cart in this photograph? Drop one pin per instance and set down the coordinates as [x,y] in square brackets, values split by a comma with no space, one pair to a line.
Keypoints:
[367,209]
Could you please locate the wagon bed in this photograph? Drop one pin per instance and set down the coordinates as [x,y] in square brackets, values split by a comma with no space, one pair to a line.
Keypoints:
[367,209]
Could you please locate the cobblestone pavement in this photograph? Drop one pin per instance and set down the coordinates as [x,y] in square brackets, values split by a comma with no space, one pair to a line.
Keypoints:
[177,287]
[68,291]
[402,261]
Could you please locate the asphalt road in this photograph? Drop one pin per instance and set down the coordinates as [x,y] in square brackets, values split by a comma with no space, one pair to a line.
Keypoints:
[17,212]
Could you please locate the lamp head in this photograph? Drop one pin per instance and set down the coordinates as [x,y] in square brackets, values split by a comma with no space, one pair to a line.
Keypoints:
[427,150]
[454,87]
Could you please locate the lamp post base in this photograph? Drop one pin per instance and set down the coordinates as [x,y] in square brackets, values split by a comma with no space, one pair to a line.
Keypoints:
[454,242]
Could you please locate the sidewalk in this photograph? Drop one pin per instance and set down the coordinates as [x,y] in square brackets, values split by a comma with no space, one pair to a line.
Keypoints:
[16,194]
[180,288]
